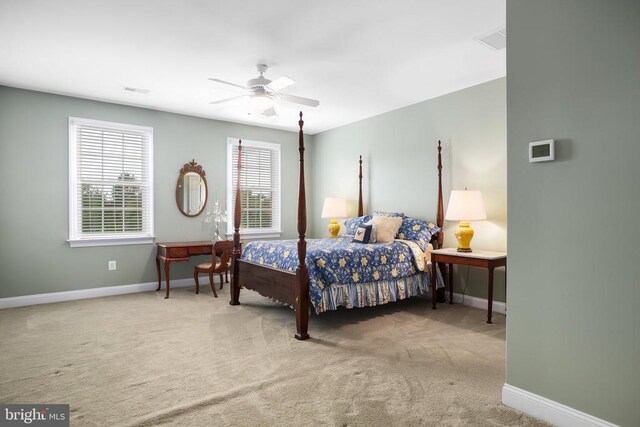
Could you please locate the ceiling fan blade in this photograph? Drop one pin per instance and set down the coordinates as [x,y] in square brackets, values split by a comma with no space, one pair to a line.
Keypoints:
[280,83]
[228,83]
[299,100]
[269,112]
[233,98]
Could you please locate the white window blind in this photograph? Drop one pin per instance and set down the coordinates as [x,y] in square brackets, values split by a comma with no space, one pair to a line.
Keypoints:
[259,187]
[110,183]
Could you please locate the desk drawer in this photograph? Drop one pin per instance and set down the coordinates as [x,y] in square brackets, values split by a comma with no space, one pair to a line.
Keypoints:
[200,250]
[177,252]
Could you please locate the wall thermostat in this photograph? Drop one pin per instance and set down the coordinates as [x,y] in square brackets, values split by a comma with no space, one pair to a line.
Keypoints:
[541,151]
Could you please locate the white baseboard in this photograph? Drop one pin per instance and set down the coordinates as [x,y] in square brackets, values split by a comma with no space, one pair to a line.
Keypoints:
[10,302]
[106,291]
[548,410]
[497,306]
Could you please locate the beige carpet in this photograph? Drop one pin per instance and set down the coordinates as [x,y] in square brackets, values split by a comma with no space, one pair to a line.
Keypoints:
[195,360]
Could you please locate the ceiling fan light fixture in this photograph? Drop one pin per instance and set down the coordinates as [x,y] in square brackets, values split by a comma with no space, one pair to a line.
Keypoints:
[261,101]
[264,93]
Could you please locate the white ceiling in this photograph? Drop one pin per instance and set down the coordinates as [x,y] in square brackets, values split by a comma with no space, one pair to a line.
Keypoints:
[359,58]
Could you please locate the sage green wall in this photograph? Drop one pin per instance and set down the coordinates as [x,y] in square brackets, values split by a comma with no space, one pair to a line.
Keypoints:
[573,334]
[399,150]
[34,255]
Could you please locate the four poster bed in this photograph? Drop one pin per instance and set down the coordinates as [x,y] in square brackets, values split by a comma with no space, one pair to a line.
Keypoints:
[336,272]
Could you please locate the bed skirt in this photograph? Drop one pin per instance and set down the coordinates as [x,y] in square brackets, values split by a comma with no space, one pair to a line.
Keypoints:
[376,293]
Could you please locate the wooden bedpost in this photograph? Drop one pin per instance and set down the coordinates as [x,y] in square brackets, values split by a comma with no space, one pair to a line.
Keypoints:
[302,274]
[439,295]
[237,215]
[360,206]
[440,216]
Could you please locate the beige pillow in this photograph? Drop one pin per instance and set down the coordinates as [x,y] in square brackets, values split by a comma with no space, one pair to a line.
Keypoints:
[386,228]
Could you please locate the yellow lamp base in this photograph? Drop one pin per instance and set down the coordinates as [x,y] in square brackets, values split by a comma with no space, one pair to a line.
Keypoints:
[464,234]
[334,228]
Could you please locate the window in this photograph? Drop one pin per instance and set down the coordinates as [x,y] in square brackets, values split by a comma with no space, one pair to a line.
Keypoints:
[259,187]
[110,183]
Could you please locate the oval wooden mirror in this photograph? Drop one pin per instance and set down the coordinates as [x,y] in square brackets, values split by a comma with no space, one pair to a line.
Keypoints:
[191,189]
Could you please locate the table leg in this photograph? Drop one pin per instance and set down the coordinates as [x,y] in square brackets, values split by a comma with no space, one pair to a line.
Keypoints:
[490,295]
[450,280]
[158,269]
[434,276]
[167,276]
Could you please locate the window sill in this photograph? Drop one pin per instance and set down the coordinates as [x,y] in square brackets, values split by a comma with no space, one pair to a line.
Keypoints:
[110,241]
[257,235]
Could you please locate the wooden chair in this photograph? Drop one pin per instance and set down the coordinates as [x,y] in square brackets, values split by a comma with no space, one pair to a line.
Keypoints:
[222,249]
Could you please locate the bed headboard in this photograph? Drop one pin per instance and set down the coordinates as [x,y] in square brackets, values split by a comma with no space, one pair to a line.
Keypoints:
[438,239]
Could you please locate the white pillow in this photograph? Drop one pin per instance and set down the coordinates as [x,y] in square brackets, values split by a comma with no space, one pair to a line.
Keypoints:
[386,228]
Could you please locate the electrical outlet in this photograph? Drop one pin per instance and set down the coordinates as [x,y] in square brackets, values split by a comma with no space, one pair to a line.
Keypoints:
[112,265]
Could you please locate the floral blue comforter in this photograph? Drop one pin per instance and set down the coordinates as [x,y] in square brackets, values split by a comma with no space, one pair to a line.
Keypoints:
[346,273]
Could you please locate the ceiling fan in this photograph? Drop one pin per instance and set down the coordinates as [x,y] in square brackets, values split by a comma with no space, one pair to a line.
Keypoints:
[263,93]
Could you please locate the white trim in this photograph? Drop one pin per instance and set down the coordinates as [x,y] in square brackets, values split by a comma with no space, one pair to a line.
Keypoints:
[252,233]
[497,306]
[75,236]
[103,123]
[72,198]
[263,235]
[548,410]
[229,184]
[249,143]
[106,291]
[115,241]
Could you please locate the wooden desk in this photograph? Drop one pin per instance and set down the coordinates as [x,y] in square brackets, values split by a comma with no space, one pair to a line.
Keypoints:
[178,252]
[483,259]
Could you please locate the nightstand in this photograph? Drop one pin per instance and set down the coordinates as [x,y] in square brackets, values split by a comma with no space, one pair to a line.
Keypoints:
[482,259]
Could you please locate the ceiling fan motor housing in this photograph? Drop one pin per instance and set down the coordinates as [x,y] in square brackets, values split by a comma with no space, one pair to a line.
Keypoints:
[258,83]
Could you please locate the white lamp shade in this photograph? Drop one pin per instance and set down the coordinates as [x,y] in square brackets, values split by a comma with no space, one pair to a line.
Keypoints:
[334,208]
[261,101]
[465,206]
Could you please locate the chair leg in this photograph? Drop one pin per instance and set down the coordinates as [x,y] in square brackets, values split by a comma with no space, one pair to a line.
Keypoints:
[221,280]
[213,287]
[195,276]
[226,276]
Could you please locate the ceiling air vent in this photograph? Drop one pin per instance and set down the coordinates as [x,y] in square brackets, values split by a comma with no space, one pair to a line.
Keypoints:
[496,40]
[135,89]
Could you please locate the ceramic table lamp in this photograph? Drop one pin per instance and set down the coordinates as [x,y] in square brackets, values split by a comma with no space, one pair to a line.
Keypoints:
[334,208]
[465,206]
